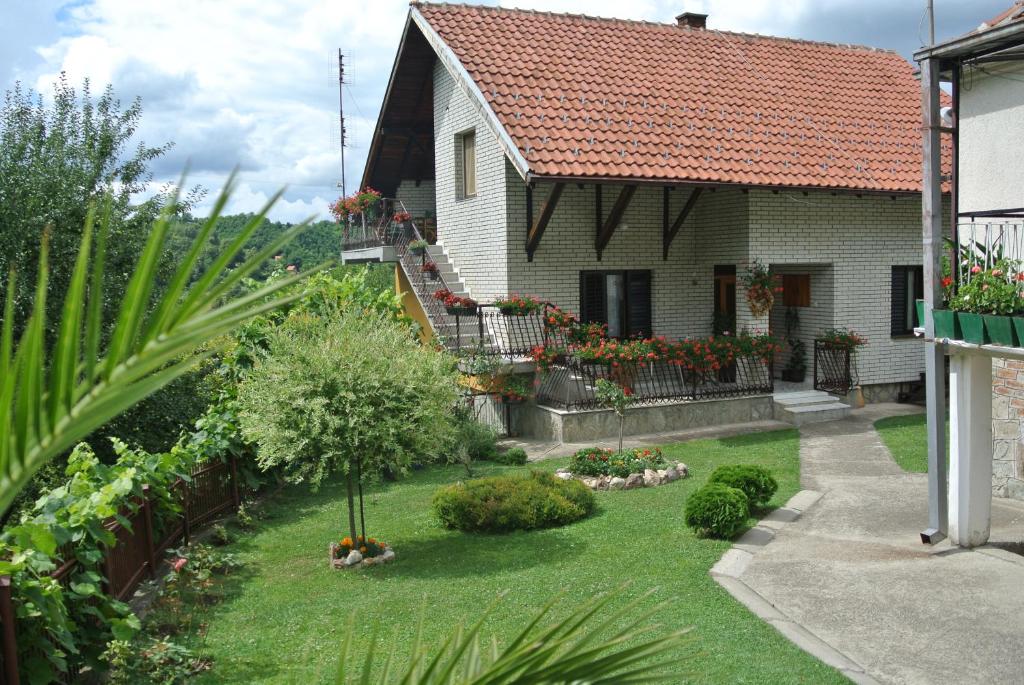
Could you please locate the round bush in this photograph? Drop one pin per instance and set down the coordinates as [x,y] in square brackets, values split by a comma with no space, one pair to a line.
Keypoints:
[717,510]
[514,502]
[756,482]
[513,457]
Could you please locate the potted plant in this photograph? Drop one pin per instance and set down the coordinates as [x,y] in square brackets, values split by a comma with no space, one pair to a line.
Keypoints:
[455,305]
[418,247]
[556,319]
[985,302]
[430,269]
[513,389]
[761,288]
[547,356]
[842,339]
[402,218]
[796,365]
[518,305]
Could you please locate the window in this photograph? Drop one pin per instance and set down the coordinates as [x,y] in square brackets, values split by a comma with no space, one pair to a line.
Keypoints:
[796,290]
[465,149]
[621,299]
[907,286]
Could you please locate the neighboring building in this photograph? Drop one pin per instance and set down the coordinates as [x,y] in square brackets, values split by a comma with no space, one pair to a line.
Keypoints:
[631,171]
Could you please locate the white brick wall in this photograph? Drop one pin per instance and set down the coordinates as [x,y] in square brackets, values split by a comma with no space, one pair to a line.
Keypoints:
[472,230]
[418,197]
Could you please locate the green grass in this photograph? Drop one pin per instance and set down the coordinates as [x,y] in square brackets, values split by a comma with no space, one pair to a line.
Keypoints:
[907,440]
[285,614]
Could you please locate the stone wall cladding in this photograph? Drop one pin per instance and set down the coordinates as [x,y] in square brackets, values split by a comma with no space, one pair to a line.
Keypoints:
[1007,435]
[471,229]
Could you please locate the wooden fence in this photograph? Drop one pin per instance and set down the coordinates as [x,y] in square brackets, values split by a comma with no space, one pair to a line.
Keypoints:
[212,489]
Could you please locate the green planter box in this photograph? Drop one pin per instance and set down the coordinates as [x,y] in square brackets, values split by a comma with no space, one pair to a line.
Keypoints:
[973,327]
[1000,330]
[919,304]
[947,325]
[1018,328]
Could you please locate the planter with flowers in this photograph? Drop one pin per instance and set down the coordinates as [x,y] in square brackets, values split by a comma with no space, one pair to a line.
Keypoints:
[761,288]
[455,305]
[402,218]
[548,355]
[430,270]
[512,389]
[361,552]
[986,303]
[418,247]
[518,305]
[556,319]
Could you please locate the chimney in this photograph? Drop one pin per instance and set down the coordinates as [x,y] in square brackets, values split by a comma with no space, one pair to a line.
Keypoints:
[692,20]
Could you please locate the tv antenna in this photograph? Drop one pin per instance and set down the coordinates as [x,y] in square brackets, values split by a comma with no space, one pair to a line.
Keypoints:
[341,115]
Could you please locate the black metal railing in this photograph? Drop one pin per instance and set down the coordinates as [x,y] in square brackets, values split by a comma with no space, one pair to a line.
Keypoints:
[834,370]
[572,385]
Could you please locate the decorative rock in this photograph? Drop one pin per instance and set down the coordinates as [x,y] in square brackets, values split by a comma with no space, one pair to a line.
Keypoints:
[661,473]
[389,554]
[602,483]
[670,474]
[589,481]
[353,558]
[564,475]
[616,483]
[651,478]
[682,470]
[563,471]
[634,480]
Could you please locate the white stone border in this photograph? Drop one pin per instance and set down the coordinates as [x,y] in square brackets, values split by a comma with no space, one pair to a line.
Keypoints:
[734,562]
[648,479]
[354,558]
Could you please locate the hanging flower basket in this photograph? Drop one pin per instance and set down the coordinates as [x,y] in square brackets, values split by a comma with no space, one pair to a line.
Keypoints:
[418,247]
[430,269]
[761,288]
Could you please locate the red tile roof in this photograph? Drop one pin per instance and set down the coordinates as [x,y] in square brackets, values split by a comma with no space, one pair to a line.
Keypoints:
[605,98]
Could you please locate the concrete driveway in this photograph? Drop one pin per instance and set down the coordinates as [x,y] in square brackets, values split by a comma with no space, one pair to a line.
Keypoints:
[851,581]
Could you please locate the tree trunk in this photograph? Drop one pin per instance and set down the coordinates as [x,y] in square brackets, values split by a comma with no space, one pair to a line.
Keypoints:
[352,511]
[622,421]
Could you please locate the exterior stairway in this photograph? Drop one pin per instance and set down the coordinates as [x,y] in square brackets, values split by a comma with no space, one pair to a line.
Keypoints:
[462,332]
[808,406]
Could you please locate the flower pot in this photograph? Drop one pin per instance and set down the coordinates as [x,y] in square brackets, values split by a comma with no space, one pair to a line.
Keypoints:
[460,311]
[973,327]
[417,251]
[512,312]
[946,324]
[919,305]
[999,329]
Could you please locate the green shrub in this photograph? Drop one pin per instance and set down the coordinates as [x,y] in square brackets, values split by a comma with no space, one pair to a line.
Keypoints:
[516,502]
[717,510]
[513,457]
[756,482]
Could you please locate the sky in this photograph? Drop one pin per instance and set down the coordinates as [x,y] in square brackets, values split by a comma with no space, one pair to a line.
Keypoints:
[253,85]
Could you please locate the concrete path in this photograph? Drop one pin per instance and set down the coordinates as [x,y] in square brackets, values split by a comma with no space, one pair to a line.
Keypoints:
[850,581]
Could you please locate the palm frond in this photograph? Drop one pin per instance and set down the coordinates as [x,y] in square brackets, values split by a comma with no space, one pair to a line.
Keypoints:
[48,404]
[572,650]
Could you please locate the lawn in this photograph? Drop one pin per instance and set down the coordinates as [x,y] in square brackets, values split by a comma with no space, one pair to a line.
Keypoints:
[285,614]
[907,440]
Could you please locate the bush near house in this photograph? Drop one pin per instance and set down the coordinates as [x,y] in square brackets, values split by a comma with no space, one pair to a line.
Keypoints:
[517,502]
[756,482]
[717,511]
[512,457]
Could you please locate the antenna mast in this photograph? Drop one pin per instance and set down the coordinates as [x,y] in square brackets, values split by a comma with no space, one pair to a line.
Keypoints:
[341,115]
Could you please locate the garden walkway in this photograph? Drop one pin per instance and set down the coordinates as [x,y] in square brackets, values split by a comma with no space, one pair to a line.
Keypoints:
[850,581]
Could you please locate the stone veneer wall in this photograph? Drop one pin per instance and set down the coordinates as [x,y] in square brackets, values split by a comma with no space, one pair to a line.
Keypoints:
[1007,433]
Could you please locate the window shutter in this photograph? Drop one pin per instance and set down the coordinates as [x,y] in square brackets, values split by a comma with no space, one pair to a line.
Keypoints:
[592,297]
[638,303]
[898,312]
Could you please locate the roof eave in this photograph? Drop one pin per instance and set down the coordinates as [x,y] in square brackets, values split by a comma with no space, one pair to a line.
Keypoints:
[626,180]
[974,44]
[468,85]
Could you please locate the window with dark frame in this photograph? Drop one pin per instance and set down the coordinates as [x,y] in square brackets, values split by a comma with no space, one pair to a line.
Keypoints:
[907,287]
[620,299]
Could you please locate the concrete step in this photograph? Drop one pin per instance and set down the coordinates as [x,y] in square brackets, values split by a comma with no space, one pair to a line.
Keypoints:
[800,415]
[803,398]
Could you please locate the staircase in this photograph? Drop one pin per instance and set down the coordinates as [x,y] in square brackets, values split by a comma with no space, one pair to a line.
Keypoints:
[808,406]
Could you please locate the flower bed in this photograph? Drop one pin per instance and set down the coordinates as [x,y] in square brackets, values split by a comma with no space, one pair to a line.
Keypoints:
[365,552]
[604,469]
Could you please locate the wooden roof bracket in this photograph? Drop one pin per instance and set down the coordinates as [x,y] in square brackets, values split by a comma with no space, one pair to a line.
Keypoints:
[606,230]
[537,228]
[669,232]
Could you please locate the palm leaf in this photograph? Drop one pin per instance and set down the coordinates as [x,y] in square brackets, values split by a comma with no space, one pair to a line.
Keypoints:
[573,650]
[46,405]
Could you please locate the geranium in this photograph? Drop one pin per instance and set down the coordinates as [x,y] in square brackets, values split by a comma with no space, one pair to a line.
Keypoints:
[991,291]
[761,288]
[559,319]
[401,217]
[842,339]
[354,204]
[512,389]
[547,356]
[518,304]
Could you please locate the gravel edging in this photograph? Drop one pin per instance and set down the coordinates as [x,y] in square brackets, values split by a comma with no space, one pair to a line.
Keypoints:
[730,567]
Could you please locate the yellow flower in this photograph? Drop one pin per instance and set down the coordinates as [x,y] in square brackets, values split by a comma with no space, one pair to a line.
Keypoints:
[363,549]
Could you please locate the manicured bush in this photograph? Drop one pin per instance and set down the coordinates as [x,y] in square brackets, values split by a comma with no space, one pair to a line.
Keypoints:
[513,457]
[756,482]
[521,502]
[717,510]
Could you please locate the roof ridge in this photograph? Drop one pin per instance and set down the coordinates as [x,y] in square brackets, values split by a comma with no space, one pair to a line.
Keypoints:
[577,15]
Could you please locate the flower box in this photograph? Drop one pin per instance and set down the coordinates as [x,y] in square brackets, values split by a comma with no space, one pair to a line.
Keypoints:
[999,329]
[973,327]
[1018,329]
[461,310]
[919,305]
[947,325]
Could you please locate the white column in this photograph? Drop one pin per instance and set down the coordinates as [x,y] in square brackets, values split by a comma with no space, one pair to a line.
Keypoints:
[970,438]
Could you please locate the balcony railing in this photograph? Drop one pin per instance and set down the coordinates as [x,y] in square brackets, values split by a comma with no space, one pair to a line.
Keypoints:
[981,244]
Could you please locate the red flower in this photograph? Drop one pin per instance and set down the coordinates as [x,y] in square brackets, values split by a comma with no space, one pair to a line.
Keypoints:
[179,564]
[948,280]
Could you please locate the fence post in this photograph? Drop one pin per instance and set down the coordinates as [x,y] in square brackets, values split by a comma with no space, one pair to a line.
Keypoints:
[9,636]
[186,528]
[235,497]
[147,515]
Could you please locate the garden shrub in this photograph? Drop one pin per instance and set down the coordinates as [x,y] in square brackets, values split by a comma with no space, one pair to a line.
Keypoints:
[717,510]
[514,502]
[512,457]
[595,461]
[756,482]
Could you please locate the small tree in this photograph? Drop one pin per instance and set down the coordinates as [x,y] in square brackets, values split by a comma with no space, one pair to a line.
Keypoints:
[351,393]
[611,395]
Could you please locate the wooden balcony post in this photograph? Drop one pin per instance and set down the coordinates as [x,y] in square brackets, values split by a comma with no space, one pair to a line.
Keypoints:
[235,495]
[9,634]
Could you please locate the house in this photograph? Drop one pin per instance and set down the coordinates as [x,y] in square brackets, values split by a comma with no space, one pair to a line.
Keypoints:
[985,71]
[631,172]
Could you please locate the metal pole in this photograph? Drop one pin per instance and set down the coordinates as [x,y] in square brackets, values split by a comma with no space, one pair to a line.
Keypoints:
[341,114]
[935,367]
[931,23]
